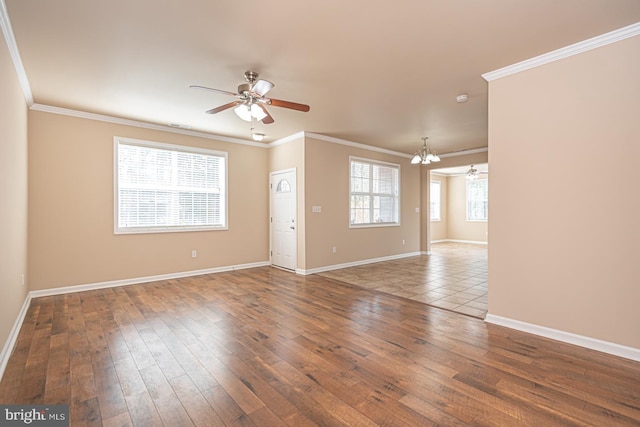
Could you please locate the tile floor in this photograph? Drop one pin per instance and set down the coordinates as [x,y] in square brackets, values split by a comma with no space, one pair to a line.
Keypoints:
[453,277]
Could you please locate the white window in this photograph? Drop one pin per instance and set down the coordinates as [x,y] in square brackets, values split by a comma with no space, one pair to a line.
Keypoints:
[477,200]
[374,193]
[162,187]
[434,200]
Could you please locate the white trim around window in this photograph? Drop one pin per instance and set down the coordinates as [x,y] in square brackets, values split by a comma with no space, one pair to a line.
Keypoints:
[477,200]
[435,201]
[161,188]
[374,193]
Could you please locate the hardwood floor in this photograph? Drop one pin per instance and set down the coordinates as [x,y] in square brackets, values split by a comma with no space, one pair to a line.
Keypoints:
[265,347]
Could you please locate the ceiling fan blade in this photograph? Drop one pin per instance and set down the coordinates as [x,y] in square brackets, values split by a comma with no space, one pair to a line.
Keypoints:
[267,120]
[226,92]
[287,104]
[223,107]
[262,87]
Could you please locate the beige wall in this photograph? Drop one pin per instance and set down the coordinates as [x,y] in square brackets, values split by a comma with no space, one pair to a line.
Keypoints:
[442,231]
[13,194]
[564,250]
[290,155]
[71,238]
[323,180]
[327,185]
[458,228]
[453,224]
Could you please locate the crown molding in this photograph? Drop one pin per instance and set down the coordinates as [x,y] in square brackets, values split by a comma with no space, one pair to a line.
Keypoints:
[565,52]
[163,128]
[325,138]
[465,152]
[12,46]
[355,144]
[286,139]
[136,123]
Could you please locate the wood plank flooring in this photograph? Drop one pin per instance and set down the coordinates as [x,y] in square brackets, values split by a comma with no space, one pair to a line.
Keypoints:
[263,347]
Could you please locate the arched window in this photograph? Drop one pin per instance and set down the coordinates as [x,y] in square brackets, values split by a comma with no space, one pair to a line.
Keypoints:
[283,186]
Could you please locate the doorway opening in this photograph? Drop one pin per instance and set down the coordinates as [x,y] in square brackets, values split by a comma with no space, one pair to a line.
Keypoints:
[458,227]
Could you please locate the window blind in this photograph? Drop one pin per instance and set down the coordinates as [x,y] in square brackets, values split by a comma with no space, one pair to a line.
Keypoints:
[374,193]
[163,188]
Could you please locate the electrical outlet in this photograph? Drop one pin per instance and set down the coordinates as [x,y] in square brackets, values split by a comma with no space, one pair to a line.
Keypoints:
[22,279]
[194,254]
[334,250]
[403,242]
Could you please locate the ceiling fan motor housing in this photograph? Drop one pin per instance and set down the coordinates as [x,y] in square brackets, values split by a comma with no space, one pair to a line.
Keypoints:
[244,88]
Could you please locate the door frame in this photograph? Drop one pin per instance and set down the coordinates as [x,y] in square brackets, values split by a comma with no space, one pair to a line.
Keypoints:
[295,242]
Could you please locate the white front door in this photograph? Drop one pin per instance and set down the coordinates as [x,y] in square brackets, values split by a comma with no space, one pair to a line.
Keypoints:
[283,219]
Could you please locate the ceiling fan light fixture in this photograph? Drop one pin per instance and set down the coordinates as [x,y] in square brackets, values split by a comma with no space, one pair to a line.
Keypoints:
[257,136]
[243,112]
[251,100]
[472,174]
[257,112]
[247,113]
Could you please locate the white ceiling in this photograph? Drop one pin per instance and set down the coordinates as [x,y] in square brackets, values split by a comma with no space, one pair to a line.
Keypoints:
[383,73]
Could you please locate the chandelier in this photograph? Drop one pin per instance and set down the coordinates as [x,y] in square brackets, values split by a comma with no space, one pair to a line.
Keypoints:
[424,155]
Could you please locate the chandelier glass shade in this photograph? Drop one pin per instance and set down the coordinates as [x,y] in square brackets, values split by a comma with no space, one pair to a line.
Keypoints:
[424,155]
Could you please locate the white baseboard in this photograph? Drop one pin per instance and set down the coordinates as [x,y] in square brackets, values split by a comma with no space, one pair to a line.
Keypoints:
[567,337]
[475,242]
[13,335]
[135,280]
[354,263]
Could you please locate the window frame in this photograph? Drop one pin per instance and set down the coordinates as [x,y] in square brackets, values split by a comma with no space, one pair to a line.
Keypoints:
[117,141]
[439,218]
[397,199]
[468,183]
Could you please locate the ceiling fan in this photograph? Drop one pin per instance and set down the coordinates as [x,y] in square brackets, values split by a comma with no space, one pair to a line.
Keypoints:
[472,173]
[252,100]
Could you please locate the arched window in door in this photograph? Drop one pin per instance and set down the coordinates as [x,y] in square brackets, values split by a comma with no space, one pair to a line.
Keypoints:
[283,186]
